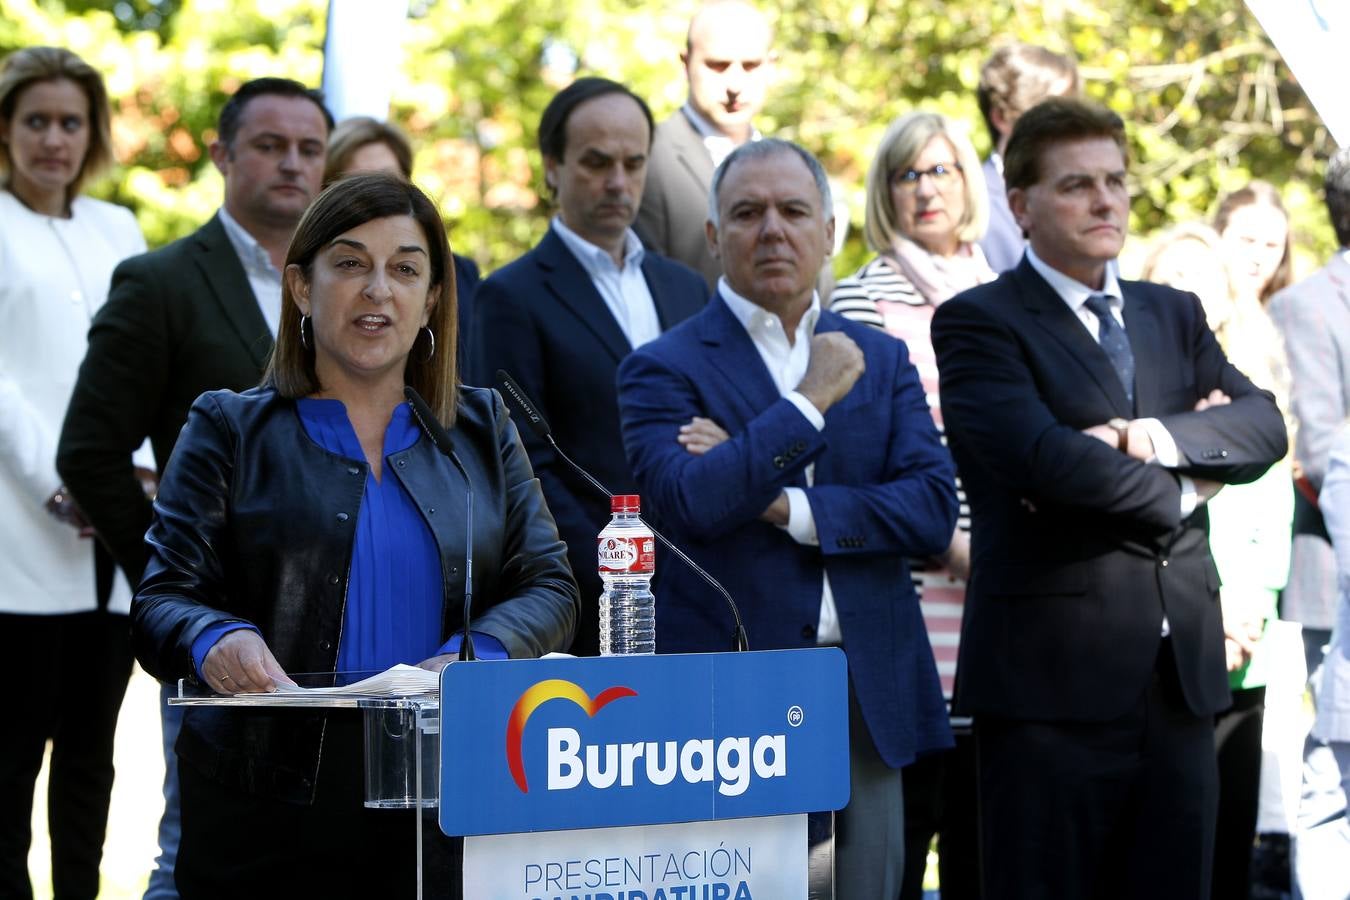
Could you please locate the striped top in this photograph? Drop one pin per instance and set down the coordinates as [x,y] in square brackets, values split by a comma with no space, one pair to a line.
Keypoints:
[880,296]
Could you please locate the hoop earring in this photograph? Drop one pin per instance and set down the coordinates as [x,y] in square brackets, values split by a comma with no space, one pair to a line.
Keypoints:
[431,336]
[304,320]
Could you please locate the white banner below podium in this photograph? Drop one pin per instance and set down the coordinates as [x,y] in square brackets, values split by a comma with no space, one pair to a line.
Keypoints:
[728,859]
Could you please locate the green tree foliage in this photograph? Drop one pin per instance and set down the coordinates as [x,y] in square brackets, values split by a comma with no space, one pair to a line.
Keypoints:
[1208,101]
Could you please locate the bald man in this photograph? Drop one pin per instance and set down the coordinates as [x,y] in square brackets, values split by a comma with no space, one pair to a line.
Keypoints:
[728,60]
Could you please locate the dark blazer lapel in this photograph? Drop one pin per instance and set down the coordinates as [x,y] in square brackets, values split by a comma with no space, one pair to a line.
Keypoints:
[224,276]
[568,281]
[667,306]
[730,351]
[1053,315]
[1141,327]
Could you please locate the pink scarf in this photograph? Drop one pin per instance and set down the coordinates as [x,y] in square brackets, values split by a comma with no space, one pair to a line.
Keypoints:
[939,278]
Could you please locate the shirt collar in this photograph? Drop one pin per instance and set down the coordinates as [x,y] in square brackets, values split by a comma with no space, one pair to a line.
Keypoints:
[752,316]
[252,254]
[1074,292]
[596,259]
[716,142]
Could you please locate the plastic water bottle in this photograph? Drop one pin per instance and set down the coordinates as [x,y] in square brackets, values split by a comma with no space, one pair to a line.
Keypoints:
[627,554]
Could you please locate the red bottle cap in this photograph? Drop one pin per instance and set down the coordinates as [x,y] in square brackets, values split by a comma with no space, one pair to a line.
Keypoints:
[625,503]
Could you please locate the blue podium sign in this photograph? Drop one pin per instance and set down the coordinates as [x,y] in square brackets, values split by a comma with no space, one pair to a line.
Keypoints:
[543,745]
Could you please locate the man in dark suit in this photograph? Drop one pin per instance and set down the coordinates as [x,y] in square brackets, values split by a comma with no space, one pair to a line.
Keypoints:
[1091,418]
[789,451]
[194,316]
[560,318]
[728,60]
[1014,79]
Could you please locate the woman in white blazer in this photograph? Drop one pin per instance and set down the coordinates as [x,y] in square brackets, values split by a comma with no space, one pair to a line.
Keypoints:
[64,643]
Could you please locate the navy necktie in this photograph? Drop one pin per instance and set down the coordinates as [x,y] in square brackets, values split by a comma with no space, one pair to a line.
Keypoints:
[1114,342]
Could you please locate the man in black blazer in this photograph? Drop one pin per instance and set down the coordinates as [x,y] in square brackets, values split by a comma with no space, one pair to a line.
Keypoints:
[194,316]
[1091,418]
[728,60]
[562,317]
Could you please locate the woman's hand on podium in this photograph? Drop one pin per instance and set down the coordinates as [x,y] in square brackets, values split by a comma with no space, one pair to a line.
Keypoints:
[241,663]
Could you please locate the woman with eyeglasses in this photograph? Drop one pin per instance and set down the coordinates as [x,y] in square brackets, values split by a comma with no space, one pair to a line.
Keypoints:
[927,205]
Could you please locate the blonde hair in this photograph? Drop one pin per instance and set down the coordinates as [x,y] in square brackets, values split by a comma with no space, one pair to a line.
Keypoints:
[902,143]
[27,67]
[1261,193]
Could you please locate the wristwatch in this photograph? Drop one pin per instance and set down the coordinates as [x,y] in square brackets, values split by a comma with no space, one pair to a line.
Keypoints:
[1122,429]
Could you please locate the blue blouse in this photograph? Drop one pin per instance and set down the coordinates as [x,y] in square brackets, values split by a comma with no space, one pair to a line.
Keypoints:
[394,587]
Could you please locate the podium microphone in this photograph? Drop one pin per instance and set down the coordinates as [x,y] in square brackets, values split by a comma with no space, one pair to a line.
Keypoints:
[540,427]
[441,438]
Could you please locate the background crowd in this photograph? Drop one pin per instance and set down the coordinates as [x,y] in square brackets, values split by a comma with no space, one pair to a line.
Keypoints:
[625,259]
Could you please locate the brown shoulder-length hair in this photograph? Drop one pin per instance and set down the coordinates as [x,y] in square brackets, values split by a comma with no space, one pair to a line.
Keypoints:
[1261,193]
[31,65]
[347,204]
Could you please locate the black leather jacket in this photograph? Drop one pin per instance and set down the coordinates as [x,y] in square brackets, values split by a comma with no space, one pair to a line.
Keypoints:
[256,522]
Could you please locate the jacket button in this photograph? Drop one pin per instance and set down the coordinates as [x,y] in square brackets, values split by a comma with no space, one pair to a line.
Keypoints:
[402,463]
[1163,564]
[333,579]
[809,632]
[431,510]
[353,470]
[799,446]
[779,462]
[342,517]
[454,570]
[325,646]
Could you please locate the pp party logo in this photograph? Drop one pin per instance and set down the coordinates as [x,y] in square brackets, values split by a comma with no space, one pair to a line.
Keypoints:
[536,696]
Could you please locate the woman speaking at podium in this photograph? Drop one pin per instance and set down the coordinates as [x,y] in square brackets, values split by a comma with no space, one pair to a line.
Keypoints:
[313,525]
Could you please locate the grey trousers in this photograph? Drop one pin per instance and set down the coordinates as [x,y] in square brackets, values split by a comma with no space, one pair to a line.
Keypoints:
[869,842]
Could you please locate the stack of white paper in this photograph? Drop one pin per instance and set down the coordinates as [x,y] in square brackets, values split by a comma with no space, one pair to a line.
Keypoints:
[400,681]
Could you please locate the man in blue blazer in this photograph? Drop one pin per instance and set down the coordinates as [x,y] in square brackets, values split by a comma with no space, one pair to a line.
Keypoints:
[1091,418]
[791,453]
[560,318]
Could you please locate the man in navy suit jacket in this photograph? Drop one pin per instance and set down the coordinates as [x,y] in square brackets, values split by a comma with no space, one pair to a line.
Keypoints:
[1091,418]
[790,452]
[560,318]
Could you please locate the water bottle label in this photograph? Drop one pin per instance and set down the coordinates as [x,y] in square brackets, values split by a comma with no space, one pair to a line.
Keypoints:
[635,555]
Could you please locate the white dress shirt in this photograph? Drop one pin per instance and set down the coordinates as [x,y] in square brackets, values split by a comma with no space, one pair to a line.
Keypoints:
[624,289]
[787,364]
[263,277]
[719,146]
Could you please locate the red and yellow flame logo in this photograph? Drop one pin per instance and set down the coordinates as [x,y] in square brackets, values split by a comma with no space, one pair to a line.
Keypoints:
[536,696]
